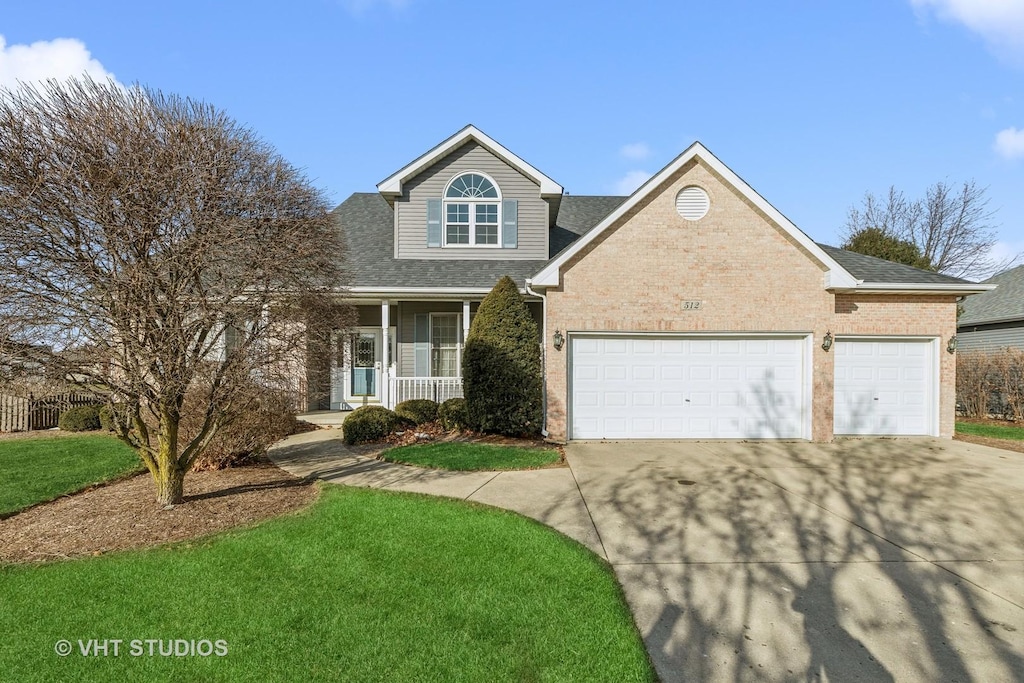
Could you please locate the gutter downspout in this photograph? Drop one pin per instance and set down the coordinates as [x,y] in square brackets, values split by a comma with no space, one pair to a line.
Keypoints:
[543,356]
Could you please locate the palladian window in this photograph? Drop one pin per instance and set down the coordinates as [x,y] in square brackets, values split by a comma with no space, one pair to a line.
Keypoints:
[472,208]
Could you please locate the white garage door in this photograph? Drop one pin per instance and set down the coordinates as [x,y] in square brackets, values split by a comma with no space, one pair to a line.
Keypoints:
[884,387]
[696,388]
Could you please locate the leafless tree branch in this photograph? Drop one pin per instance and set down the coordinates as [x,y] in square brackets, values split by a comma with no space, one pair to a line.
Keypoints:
[137,231]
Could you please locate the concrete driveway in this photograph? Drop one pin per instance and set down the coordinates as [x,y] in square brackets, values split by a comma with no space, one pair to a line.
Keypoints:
[863,560]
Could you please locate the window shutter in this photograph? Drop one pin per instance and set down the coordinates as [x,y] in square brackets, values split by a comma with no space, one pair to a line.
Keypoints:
[433,222]
[510,227]
[421,345]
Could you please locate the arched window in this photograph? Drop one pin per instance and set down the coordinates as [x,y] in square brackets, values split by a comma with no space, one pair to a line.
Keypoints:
[472,211]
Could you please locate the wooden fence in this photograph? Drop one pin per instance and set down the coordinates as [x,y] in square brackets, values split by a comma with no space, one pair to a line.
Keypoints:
[19,414]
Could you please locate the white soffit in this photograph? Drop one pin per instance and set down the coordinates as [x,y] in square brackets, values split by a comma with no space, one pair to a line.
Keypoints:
[392,185]
[837,276]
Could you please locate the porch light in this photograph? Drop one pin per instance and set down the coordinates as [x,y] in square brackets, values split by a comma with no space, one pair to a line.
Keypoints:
[951,346]
[559,340]
[826,343]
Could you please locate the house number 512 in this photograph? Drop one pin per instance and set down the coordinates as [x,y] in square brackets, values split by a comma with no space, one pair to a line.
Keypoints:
[691,305]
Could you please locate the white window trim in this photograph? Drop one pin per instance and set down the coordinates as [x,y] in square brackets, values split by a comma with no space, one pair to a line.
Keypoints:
[472,202]
[458,343]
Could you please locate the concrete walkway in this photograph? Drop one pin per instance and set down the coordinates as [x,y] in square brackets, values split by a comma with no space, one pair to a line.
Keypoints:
[550,495]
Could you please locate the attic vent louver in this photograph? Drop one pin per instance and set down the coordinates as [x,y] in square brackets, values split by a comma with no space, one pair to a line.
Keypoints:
[692,203]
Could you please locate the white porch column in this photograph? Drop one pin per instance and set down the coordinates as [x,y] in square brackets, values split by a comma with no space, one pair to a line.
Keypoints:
[465,321]
[385,365]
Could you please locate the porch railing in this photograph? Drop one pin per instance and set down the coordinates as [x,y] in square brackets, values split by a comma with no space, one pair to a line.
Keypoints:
[437,389]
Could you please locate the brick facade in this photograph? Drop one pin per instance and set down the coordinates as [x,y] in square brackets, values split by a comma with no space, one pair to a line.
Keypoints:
[749,275]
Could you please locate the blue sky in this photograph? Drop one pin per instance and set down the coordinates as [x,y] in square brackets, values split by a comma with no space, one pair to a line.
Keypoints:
[812,103]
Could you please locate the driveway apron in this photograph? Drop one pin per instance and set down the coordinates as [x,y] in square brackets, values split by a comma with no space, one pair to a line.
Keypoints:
[862,560]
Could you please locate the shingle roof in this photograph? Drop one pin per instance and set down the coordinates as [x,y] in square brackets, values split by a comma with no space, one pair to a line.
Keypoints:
[367,221]
[577,215]
[871,269]
[1004,303]
[368,224]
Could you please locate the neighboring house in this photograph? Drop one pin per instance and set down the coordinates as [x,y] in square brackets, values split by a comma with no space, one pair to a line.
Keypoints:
[994,319]
[690,309]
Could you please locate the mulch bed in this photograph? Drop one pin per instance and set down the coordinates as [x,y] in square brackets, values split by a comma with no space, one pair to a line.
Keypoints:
[124,514]
[435,432]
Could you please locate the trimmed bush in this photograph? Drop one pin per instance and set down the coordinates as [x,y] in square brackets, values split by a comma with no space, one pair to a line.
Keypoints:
[369,423]
[417,410]
[452,414]
[268,417]
[80,419]
[501,365]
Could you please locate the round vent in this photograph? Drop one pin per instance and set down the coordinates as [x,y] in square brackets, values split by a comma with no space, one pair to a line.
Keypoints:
[692,203]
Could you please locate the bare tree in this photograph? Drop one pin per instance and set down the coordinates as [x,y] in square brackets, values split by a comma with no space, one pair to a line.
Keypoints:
[951,226]
[155,252]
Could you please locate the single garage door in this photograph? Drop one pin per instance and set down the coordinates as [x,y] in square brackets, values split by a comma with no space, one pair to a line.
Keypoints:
[884,387]
[687,388]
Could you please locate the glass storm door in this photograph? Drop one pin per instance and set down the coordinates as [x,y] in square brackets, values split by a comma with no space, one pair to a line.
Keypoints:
[365,355]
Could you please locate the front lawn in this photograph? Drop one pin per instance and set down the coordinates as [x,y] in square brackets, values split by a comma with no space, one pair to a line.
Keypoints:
[40,469]
[469,456]
[991,431]
[365,585]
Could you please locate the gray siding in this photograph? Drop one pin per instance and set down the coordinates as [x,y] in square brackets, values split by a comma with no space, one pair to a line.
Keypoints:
[991,339]
[406,318]
[411,208]
[406,362]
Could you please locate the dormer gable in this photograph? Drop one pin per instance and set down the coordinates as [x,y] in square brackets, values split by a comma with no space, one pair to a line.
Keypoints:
[469,198]
[391,186]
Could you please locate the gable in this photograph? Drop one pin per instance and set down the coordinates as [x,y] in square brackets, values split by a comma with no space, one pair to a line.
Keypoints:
[411,207]
[721,259]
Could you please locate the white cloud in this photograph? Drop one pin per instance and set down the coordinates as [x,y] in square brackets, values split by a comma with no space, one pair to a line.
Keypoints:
[1009,143]
[637,151]
[629,182]
[999,22]
[60,58]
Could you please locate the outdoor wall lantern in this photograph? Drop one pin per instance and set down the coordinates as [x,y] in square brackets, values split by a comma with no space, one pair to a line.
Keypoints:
[826,343]
[951,346]
[559,340]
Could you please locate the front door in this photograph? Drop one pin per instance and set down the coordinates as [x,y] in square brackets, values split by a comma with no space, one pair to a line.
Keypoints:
[365,373]
[356,368]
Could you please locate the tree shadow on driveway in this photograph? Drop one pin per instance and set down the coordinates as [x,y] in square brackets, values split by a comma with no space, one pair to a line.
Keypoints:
[862,560]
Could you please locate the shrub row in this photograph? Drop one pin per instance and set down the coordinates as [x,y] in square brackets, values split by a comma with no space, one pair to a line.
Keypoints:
[374,423]
[991,383]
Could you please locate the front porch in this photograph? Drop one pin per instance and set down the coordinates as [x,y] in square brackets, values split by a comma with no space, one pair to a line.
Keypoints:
[398,350]
[350,390]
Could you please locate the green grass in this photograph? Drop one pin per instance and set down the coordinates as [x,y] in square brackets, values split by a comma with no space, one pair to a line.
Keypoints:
[991,431]
[363,586]
[460,455]
[37,470]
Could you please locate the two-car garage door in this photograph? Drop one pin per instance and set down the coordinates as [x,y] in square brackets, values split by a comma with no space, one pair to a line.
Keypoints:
[696,388]
[649,387]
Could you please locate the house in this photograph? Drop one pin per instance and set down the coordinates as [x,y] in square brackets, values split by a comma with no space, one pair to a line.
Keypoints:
[994,319]
[690,309]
